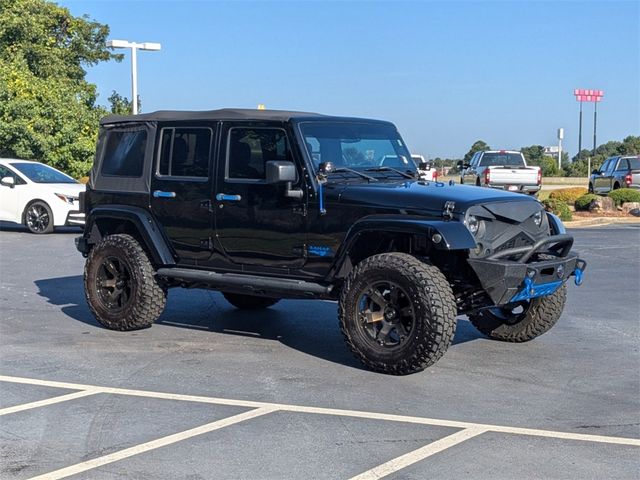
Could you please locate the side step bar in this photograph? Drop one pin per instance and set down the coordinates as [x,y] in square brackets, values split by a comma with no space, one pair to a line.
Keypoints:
[247,284]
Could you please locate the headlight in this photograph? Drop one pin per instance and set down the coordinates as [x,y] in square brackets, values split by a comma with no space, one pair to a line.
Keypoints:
[537,218]
[66,198]
[473,224]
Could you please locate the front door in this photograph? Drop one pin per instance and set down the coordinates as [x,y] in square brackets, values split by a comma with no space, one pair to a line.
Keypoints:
[181,190]
[257,225]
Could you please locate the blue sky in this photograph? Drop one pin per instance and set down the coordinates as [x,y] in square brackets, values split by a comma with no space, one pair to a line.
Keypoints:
[446,73]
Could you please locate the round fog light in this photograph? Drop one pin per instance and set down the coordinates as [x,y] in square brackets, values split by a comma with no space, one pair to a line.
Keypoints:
[436,238]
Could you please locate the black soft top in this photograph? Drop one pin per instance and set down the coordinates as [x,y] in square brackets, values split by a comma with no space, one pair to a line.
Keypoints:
[221,114]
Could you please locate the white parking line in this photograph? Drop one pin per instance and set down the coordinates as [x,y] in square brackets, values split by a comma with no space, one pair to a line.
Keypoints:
[410,458]
[153,444]
[49,401]
[331,411]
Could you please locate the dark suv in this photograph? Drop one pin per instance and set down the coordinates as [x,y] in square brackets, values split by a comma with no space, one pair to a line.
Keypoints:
[264,205]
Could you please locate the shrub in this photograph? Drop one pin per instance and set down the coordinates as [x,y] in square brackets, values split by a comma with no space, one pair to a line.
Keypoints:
[568,195]
[558,207]
[623,195]
[584,201]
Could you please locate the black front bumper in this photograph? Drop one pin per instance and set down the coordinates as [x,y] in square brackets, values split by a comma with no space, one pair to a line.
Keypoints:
[538,270]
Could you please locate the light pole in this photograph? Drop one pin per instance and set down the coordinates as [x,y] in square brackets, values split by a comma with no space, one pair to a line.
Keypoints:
[134,64]
[560,138]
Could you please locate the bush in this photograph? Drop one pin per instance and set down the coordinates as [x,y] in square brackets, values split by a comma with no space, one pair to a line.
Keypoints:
[558,207]
[623,195]
[568,195]
[584,201]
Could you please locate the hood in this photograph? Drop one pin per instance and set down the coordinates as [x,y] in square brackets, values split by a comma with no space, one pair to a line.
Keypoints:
[420,195]
[71,189]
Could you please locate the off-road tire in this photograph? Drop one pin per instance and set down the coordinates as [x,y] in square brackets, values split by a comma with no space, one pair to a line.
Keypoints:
[147,298]
[430,298]
[541,314]
[38,227]
[249,302]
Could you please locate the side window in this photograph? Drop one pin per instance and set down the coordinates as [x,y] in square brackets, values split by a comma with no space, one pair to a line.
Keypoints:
[605,166]
[249,149]
[124,153]
[623,165]
[475,160]
[184,152]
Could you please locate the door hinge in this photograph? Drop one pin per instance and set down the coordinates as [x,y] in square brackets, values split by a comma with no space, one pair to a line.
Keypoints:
[300,209]
[206,204]
[206,243]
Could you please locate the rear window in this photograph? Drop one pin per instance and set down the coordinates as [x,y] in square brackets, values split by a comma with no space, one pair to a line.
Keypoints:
[502,159]
[124,153]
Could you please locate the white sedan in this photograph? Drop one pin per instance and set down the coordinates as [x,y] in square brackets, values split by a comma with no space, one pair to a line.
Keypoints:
[38,196]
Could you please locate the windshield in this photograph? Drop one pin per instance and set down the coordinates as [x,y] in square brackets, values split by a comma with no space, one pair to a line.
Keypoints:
[359,146]
[502,159]
[39,173]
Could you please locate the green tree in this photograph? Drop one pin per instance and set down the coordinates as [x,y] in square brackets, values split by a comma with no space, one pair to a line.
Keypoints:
[533,154]
[48,110]
[121,105]
[479,146]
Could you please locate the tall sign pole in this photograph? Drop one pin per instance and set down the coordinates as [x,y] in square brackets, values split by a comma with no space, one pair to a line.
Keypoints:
[594,96]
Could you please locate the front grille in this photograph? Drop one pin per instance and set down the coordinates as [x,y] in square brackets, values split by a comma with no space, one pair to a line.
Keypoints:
[520,240]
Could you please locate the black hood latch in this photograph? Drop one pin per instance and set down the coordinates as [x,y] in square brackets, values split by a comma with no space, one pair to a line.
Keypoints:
[447,212]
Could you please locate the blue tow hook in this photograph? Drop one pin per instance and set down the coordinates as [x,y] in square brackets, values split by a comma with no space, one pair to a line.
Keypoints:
[578,274]
[528,286]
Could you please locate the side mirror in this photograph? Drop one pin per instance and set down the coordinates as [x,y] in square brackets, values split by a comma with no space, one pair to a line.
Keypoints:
[424,166]
[283,172]
[595,172]
[8,182]
[460,165]
[280,172]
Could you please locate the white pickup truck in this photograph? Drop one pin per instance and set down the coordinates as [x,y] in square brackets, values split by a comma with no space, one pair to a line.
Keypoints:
[503,169]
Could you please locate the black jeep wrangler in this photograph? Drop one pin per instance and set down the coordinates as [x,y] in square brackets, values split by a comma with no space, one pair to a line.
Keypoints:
[264,205]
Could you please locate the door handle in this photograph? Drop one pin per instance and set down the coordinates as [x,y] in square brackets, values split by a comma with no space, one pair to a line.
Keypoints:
[161,194]
[223,197]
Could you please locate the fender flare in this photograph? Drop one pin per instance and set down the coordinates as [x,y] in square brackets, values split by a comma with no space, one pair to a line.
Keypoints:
[455,235]
[142,220]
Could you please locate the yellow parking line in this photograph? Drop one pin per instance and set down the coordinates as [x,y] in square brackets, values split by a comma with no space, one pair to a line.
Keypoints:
[49,401]
[410,458]
[332,411]
[152,445]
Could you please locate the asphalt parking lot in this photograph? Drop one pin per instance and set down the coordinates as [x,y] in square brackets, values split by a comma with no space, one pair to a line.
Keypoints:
[210,392]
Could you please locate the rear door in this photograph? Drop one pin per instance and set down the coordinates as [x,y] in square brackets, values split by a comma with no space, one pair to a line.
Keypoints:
[181,189]
[259,228]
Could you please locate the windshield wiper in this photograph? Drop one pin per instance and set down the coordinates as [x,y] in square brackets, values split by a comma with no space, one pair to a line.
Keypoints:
[387,169]
[351,170]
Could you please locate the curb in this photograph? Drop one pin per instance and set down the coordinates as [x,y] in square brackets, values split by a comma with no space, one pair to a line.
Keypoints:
[602,221]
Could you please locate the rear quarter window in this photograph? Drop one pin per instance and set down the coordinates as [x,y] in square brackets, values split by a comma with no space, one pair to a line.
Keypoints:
[124,153]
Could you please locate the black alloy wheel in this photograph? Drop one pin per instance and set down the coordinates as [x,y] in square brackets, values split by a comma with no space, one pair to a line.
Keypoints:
[38,218]
[113,283]
[386,316]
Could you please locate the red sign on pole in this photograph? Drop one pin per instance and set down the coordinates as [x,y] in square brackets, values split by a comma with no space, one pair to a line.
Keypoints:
[584,95]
